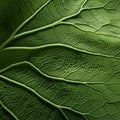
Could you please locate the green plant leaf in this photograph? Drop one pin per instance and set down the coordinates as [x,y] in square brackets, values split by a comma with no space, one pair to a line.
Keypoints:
[60,60]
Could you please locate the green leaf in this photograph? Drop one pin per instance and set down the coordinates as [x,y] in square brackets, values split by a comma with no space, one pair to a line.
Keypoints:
[60,60]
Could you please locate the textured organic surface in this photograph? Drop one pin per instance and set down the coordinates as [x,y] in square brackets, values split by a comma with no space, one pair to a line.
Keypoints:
[59,60]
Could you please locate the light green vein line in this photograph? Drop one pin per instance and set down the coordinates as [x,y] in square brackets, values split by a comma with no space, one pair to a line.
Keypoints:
[31,17]
[37,29]
[14,36]
[50,25]
[72,110]
[47,76]
[59,22]
[39,96]
[96,7]
[34,92]
[98,107]
[105,114]
[60,79]
[77,13]
[75,25]
[23,24]
[72,24]
[10,112]
[64,114]
[55,78]
[105,35]
[29,89]
[60,45]
[85,117]
[64,80]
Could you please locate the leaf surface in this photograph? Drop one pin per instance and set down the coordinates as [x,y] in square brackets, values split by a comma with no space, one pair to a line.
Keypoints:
[60,60]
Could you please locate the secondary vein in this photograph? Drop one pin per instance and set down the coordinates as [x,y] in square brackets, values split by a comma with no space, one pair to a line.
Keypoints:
[14,36]
[62,45]
[58,22]
[59,107]
[8,110]
[34,92]
[11,38]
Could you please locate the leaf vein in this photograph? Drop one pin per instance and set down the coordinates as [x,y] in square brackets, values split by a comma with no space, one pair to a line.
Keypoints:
[8,110]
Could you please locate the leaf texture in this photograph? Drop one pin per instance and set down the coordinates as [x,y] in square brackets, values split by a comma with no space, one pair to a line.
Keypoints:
[60,60]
